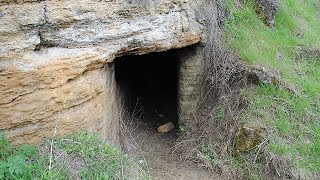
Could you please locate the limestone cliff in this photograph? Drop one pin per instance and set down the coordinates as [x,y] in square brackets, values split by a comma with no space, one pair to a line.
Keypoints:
[55,59]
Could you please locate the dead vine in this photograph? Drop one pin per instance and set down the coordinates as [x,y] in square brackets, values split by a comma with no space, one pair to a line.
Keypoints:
[213,127]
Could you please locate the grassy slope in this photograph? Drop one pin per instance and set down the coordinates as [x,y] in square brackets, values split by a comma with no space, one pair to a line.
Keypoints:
[100,161]
[293,120]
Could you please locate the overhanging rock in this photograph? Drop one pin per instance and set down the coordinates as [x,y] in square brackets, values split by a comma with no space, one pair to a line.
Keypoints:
[54,55]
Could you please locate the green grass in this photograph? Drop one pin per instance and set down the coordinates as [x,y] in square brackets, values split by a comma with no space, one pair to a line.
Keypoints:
[293,119]
[100,161]
[103,161]
[23,162]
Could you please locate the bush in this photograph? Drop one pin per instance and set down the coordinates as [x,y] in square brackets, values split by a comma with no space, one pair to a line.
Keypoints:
[20,162]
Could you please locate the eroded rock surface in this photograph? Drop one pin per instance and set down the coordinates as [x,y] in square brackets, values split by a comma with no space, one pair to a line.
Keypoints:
[248,137]
[55,59]
[262,75]
[267,10]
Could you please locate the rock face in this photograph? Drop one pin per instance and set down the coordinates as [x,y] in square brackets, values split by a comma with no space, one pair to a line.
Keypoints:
[56,71]
[267,9]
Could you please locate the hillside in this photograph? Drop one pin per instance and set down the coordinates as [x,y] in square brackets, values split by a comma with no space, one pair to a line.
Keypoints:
[292,48]
[233,86]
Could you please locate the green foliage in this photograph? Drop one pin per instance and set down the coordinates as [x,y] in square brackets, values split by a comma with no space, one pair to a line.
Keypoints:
[293,119]
[21,162]
[103,161]
[13,162]
[24,162]
[5,146]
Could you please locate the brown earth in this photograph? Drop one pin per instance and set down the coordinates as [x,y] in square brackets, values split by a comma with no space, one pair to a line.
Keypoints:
[156,151]
[159,156]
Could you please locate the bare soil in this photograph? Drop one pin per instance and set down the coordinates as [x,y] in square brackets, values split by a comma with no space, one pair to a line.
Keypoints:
[162,162]
[157,151]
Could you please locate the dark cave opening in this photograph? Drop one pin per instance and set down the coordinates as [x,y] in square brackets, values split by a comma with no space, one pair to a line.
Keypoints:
[149,82]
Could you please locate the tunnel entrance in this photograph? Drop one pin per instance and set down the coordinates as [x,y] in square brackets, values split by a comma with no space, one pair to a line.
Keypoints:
[149,83]
[156,89]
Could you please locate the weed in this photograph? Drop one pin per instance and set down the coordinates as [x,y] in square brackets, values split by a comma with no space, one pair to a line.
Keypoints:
[102,161]
[22,162]
[293,119]
[83,155]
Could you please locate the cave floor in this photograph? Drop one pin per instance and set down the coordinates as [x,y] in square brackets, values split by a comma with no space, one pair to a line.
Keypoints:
[162,162]
[156,152]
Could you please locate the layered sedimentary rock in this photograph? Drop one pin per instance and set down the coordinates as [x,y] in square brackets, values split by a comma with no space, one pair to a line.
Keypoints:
[56,72]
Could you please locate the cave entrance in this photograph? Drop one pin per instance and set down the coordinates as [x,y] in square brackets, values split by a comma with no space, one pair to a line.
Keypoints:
[149,83]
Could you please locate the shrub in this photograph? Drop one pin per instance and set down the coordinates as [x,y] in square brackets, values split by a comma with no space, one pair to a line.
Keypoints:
[20,162]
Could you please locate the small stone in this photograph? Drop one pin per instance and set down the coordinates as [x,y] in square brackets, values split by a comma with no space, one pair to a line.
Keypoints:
[267,10]
[156,111]
[263,75]
[247,137]
[1,13]
[166,127]
[259,74]
[160,115]
[141,161]
[288,87]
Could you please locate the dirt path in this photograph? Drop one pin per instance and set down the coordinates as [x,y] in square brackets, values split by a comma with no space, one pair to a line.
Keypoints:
[156,154]
[154,151]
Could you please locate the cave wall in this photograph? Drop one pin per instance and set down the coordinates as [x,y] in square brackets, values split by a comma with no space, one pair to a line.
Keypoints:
[56,75]
[190,73]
